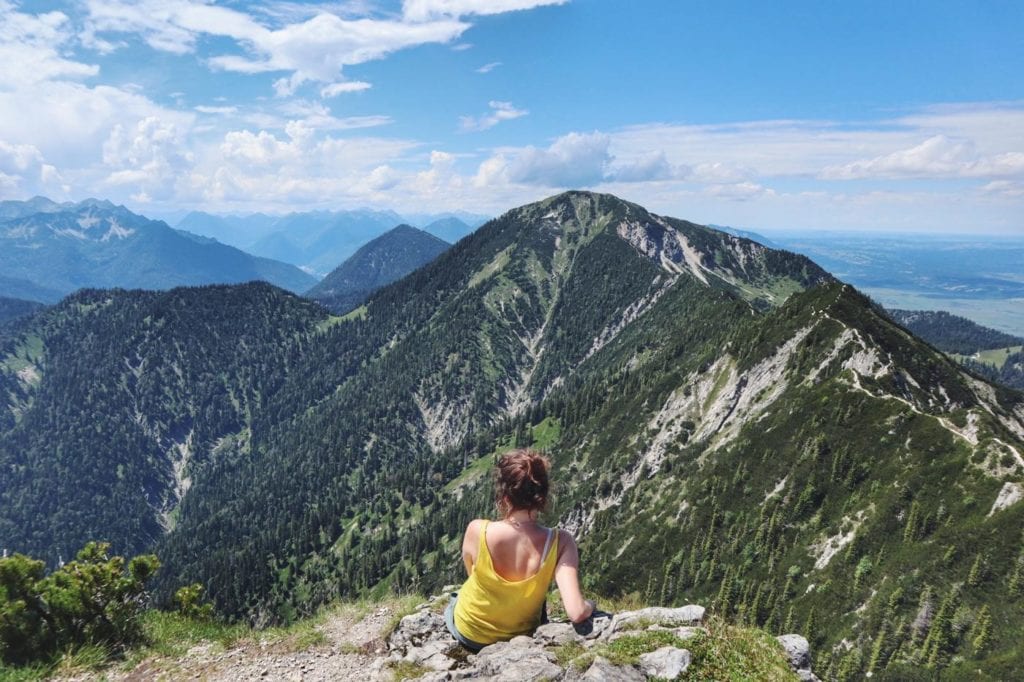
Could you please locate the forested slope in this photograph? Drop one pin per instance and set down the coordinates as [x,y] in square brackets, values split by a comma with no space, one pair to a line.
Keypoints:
[115,401]
[730,426]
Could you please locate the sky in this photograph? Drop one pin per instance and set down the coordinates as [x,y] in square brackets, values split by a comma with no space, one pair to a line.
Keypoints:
[864,116]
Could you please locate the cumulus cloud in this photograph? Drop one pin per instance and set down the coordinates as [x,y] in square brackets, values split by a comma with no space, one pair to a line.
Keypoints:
[936,157]
[574,160]
[311,50]
[423,10]
[31,48]
[23,170]
[500,111]
[651,166]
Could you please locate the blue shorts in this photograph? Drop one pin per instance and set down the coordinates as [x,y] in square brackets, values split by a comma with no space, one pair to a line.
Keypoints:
[449,620]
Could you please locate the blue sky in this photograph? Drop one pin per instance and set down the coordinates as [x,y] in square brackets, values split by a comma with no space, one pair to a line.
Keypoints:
[904,116]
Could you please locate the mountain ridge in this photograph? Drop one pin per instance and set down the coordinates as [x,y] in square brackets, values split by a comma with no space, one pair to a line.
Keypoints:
[96,244]
[380,261]
[755,434]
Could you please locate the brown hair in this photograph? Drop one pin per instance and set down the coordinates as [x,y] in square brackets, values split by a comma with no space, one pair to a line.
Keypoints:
[522,481]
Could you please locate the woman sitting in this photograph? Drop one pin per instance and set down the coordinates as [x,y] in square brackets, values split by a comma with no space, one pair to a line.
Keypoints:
[511,562]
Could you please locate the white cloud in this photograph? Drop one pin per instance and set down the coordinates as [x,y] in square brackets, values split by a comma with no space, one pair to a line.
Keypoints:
[500,111]
[574,160]
[648,167]
[423,10]
[739,191]
[1004,188]
[335,89]
[24,171]
[31,48]
[487,68]
[936,157]
[220,110]
[312,50]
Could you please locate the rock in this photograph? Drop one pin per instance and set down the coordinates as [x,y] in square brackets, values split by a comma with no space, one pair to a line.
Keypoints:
[686,632]
[798,651]
[602,670]
[520,659]
[556,633]
[657,615]
[437,676]
[668,662]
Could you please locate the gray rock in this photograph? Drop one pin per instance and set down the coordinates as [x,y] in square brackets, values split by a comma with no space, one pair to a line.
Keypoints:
[436,676]
[520,659]
[429,649]
[798,651]
[602,670]
[657,615]
[668,662]
[557,633]
[686,632]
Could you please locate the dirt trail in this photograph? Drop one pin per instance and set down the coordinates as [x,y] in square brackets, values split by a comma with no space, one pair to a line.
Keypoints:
[353,642]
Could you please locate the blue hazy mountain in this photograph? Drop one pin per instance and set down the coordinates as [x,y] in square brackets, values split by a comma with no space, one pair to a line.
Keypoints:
[317,241]
[48,250]
[383,260]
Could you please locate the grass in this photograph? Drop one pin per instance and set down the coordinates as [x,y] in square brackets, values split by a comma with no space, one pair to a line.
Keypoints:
[404,605]
[995,357]
[729,652]
[169,636]
[405,670]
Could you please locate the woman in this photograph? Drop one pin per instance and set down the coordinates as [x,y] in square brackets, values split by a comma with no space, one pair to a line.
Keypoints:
[511,562]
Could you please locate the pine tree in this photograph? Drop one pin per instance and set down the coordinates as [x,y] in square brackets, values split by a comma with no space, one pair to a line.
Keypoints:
[811,626]
[981,631]
[913,521]
[878,648]
[977,572]
[788,626]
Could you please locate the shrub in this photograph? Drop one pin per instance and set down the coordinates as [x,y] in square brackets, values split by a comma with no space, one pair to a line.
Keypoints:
[92,600]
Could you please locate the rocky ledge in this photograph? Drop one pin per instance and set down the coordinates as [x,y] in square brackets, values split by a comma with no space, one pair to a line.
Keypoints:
[627,646]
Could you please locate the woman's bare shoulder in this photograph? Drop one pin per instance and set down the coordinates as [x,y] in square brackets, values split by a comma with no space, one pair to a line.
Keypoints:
[475,526]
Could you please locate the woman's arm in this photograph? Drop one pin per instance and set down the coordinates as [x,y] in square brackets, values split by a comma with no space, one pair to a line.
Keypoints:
[471,543]
[567,579]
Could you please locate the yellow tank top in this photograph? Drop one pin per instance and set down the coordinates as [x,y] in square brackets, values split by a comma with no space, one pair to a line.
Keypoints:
[491,609]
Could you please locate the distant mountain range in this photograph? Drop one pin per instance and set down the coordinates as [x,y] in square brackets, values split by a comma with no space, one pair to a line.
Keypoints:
[317,241]
[48,250]
[387,258]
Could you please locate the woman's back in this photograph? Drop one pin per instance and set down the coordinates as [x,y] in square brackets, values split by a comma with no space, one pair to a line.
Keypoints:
[517,553]
[495,604]
[512,562]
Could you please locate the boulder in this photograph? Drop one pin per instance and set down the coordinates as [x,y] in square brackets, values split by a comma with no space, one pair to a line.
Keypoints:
[798,651]
[519,659]
[667,662]
[557,633]
[602,670]
[656,615]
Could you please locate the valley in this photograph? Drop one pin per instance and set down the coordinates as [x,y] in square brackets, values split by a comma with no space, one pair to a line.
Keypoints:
[752,433]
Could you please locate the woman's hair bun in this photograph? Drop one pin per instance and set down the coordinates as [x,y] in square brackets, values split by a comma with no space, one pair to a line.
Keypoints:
[522,481]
